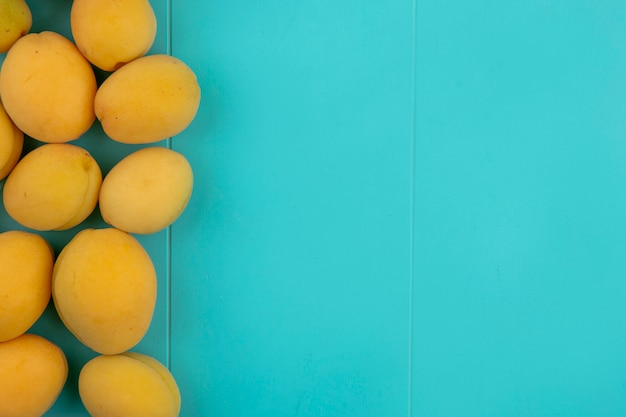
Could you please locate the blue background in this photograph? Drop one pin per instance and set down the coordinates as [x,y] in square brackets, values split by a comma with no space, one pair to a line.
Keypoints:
[400,208]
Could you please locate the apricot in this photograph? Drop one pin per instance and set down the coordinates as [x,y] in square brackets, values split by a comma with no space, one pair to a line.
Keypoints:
[147,100]
[11,143]
[146,191]
[110,33]
[104,289]
[26,261]
[53,187]
[48,87]
[15,21]
[33,371]
[129,384]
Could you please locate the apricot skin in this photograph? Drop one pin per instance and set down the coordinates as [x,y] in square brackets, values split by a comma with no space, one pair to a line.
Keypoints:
[130,385]
[104,289]
[16,20]
[53,187]
[110,33]
[11,143]
[147,100]
[33,372]
[26,261]
[146,191]
[48,87]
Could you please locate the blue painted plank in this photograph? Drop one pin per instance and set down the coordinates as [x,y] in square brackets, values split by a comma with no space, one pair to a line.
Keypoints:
[520,207]
[290,269]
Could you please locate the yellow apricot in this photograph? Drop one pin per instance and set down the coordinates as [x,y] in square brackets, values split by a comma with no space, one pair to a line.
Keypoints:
[147,100]
[129,384]
[26,261]
[33,371]
[48,87]
[110,33]
[15,21]
[53,187]
[11,143]
[104,289]
[146,191]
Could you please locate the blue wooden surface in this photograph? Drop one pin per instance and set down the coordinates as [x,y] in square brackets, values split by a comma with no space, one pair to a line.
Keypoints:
[519,289]
[290,269]
[401,208]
